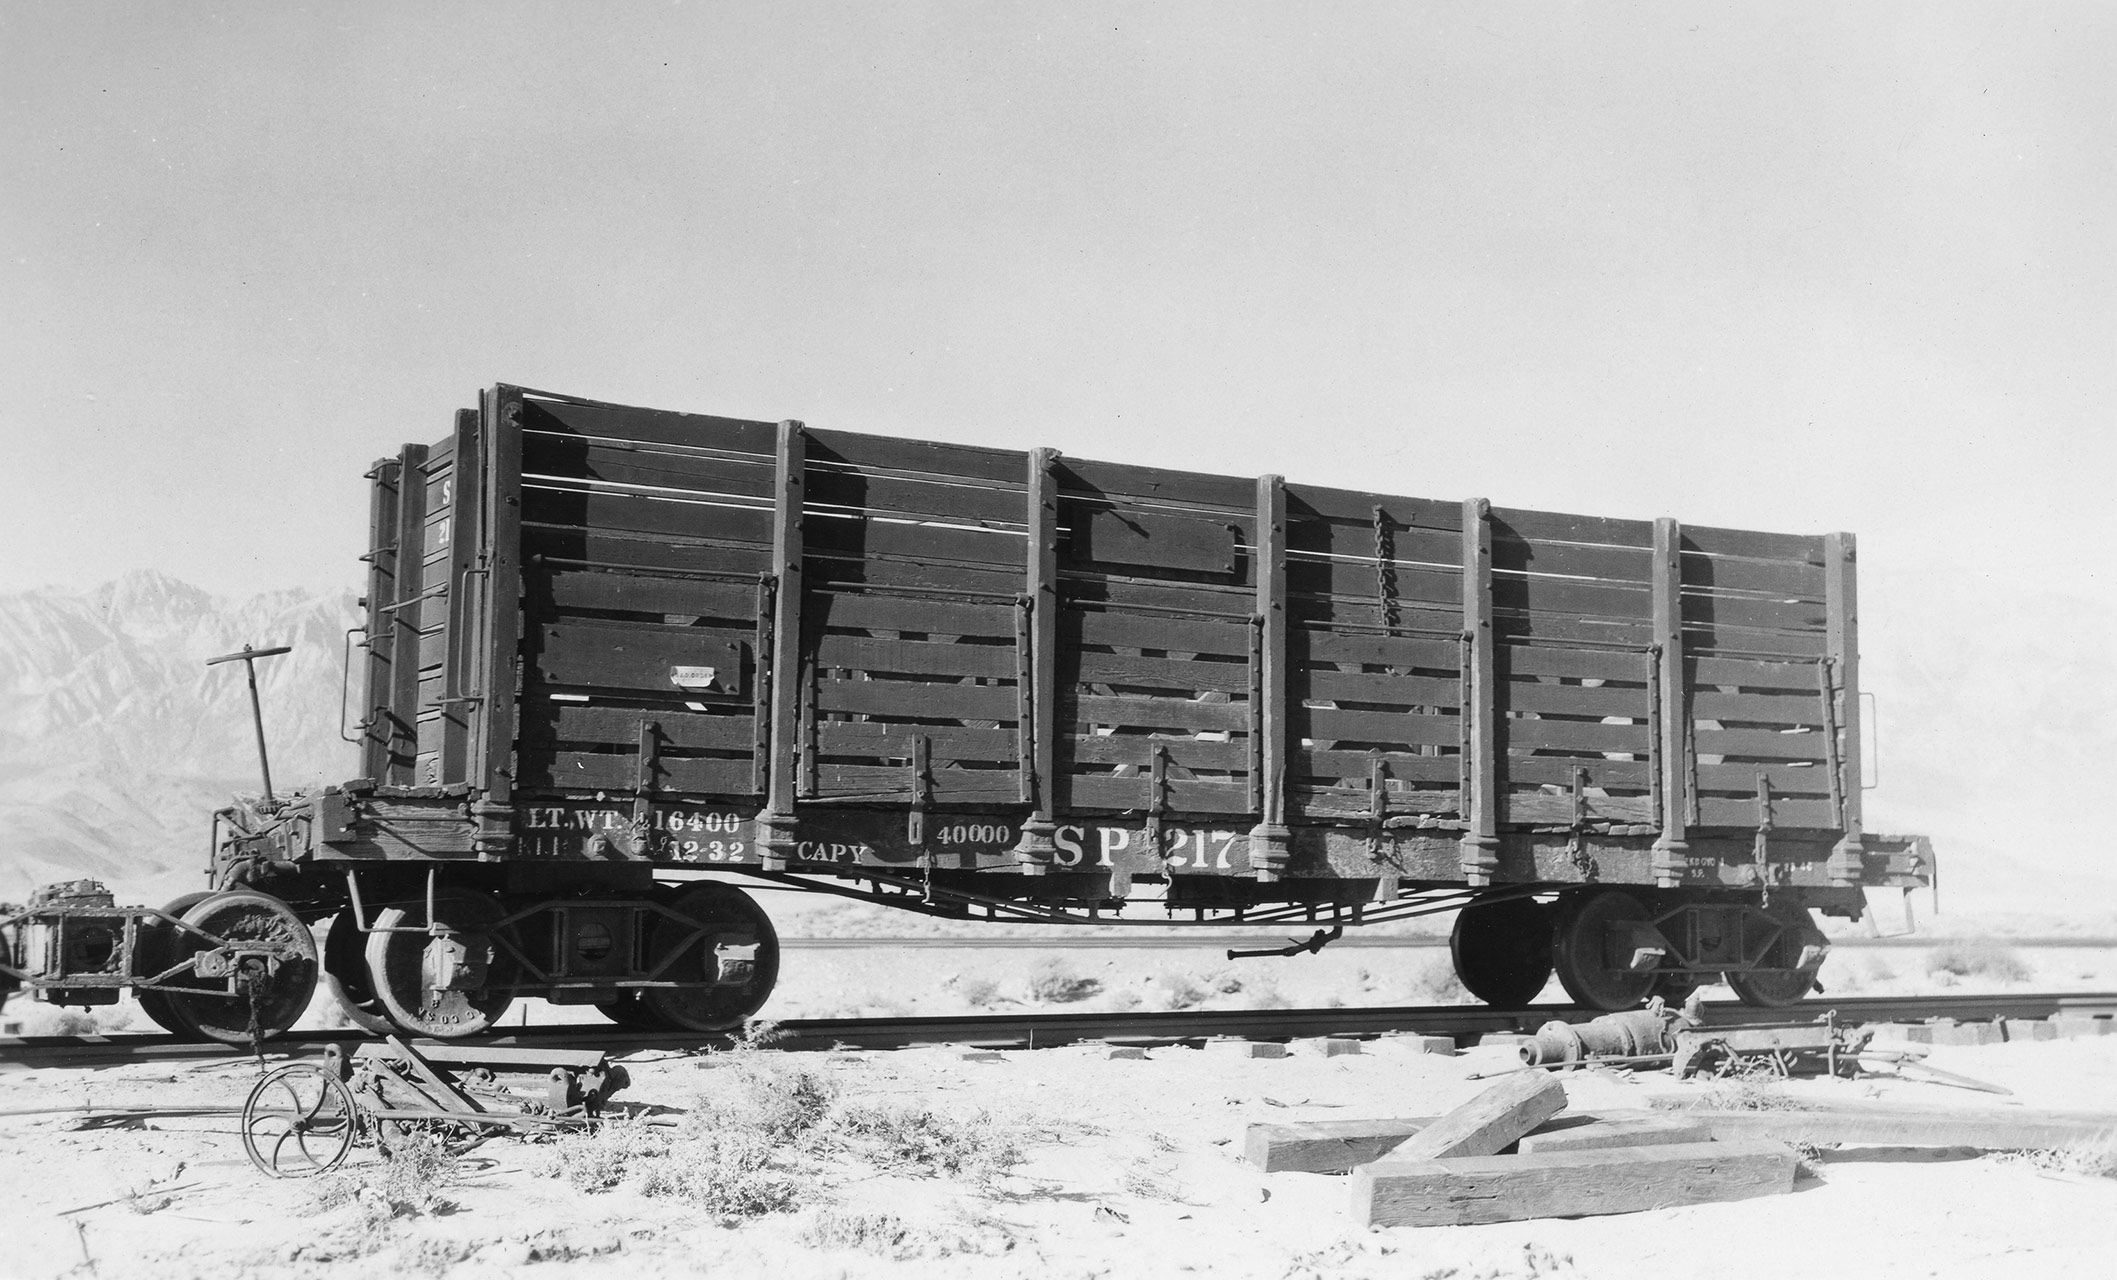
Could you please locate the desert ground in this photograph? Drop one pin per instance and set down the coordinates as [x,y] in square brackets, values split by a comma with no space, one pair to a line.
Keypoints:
[1052,1163]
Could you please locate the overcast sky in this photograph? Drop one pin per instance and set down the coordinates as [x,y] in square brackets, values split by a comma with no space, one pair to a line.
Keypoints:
[1799,267]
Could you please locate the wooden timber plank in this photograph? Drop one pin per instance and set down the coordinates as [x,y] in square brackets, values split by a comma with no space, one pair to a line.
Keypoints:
[563,457]
[1762,743]
[785,697]
[1398,1192]
[1516,660]
[856,537]
[1479,740]
[1161,713]
[1324,724]
[1543,809]
[1785,779]
[1612,566]
[619,771]
[1187,795]
[1808,815]
[595,653]
[833,488]
[380,619]
[855,610]
[1491,1122]
[915,698]
[1154,631]
[1557,771]
[1753,673]
[1161,541]
[652,594]
[619,422]
[1358,766]
[915,657]
[1555,526]
[1357,615]
[1749,640]
[1753,544]
[1187,674]
[1309,575]
[1138,749]
[407,651]
[1382,687]
[947,785]
[1842,643]
[1082,478]
[500,630]
[1411,546]
[1571,735]
[947,744]
[1512,626]
[840,570]
[1571,699]
[1125,592]
[961,461]
[1325,1146]
[1404,652]
[544,503]
[1750,612]
[1309,504]
[1571,598]
[1774,579]
[554,546]
[1759,708]
[545,722]
[1892,1124]
[1612,1129]
[1038,680]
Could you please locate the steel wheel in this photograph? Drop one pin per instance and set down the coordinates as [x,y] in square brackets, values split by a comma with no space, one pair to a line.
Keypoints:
[401,969]
[158,948]
[1581,956]
[1502,950]
[299,1121]
[345,976]
[275,991]
[1777,988]
[714,914]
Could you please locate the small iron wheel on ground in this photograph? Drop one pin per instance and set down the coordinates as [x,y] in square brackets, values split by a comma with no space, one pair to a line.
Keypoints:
[1580,952]
[711,914]
[1502,950]
[403,962]
[299,1121]
[272,990]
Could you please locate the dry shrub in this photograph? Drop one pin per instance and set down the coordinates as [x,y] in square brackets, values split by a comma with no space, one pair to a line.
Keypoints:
[411,1180]
[1432,980]
[898,1136]
[1174,990]
[978,992]
[2093,1158]
[1053,981]
[1977,960]
[890,1236]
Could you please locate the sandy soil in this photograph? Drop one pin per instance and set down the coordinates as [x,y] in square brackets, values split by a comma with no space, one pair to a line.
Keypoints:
[1132,1168]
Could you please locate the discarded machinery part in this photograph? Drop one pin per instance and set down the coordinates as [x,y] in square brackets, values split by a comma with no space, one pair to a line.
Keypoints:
[1652,1032]
[437,982]
[453,1092]
[1320,939]
[1783,1049]
[156,951]
[345,975]
[1800,949]
[248,657]
[714,934]
[1902,1061]
[1502,949]
[253,967]
[1581,950]
[299,1121]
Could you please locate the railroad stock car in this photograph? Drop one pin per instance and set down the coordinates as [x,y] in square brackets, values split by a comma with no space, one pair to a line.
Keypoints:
[608,648]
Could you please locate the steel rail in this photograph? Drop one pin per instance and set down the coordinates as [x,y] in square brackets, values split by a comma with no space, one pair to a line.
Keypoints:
[1213,941]
[1048,1030]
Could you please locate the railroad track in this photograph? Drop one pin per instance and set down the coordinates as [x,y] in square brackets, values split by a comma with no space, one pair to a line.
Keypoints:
[1049,1030]
[1351,941]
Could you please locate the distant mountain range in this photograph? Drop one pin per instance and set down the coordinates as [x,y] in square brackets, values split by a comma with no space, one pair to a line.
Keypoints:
[117,743]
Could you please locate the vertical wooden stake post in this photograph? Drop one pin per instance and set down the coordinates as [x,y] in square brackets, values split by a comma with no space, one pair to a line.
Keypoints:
[1840,572]
[1480,846]
[776,826]
[1671,855]
[1039,727]
[1271,840]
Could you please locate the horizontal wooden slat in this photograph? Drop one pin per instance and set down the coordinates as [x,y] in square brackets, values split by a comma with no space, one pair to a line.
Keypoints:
[990,786]
[1540,809]
[1813,780]
[1517,627]
[1084,478]
[1761,742]
[639,514]
[888,452]
[618,655]
[1534,526]
[1154,631]
[1751,673]
[1407,652]
[1808,814]
[831,489]
[1324,684]
[907,698]
[1753,543]
[1180,674]
[1748,611]
[1159,713]
[1573,699]
[1557,771]
[547,722]
[1609,564]
[839,570]
[913,657]
[1310,614]
[1307,503]
[1570,597]
[1570,735]
[874,738]
[1355,543]
[1191,795]
[550,455]
[1760,708]
[848,535]
[1138,749]
[1412,583]
[588,771]
[1155,539]
[1307,762]
[647,553]
[638,593]
[1779,578]
[735,435]
[1577,664]
[1793,644]
[1122,593]
[1323,724]
[904,613]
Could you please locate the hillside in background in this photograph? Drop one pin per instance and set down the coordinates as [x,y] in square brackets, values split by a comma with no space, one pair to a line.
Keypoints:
[117,743]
